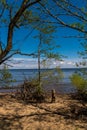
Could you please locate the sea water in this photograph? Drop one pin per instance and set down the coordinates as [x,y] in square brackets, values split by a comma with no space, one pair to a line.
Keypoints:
[63,85]
[21,74]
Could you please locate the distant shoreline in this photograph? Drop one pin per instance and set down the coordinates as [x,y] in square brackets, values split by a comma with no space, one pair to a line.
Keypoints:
[47,68]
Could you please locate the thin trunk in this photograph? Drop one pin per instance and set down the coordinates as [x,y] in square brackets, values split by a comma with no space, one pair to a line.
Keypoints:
[39,67]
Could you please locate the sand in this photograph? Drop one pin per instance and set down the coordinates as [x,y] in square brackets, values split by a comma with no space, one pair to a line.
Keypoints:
[65,114]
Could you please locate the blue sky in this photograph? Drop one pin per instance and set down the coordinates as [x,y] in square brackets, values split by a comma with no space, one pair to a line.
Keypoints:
[69,47]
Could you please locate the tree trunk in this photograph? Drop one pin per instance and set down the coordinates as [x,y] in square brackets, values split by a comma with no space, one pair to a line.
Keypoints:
[39,67]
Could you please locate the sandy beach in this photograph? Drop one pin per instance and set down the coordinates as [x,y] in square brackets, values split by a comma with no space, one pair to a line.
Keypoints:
[43,64]
[65,114]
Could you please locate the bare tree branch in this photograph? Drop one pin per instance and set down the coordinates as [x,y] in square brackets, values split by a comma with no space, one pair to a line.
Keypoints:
[69,11]
[14,53]
[1,14]
[75,7]
[12,24]
[60,21]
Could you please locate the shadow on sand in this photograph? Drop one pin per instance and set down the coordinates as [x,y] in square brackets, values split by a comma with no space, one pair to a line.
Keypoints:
[70,114]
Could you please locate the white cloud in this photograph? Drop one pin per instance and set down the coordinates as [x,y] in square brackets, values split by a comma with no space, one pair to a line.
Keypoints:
[30,63]
[62,62]
[69,63]
[65,64]
[54,63]
[23,63]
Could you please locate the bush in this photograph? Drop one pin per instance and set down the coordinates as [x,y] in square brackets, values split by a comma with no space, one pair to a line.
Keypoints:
[38,95]
[32,91]
[6,77]
[80,83]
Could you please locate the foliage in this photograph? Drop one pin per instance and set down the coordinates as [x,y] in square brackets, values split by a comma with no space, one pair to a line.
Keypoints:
[46,45]
[51,76]
[11,17]
[79,82]
[6,77]
[14,14]
[32,91]
[80,78]
[39,93]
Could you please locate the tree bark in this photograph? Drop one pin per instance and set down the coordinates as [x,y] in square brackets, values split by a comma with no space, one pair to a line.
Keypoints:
[39,67]
[12,24]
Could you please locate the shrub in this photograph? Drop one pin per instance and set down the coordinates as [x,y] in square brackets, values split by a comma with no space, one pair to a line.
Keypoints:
[6,77]
[80,83]
[38,95]
[32,91]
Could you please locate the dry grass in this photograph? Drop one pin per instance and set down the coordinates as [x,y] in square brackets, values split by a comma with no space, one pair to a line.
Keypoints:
[65,114]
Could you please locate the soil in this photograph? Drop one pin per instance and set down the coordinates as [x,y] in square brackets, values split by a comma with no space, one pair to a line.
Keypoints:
[66,113]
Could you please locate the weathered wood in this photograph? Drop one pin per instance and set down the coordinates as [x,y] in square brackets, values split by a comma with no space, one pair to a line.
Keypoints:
[53,95]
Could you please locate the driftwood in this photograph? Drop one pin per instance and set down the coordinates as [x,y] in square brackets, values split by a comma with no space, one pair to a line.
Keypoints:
[53,99]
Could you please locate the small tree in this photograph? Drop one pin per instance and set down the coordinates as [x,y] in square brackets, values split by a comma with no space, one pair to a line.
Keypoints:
[46,47]
[79,79]
[6,77]
[79,82]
